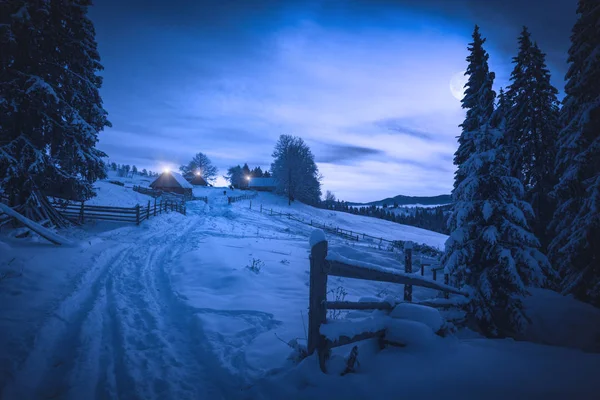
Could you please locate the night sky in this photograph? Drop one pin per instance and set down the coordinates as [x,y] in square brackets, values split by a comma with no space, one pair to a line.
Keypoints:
[364,83]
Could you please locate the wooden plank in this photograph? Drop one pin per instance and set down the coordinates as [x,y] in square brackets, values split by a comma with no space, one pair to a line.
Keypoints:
[104,217]
[408,269]
[344,340]
[358,305]
[336,268]
[317,312]
[112,215]
[95,208]
[40,230]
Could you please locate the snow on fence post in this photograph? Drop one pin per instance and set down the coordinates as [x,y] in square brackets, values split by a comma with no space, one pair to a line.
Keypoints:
[81,213]
[408,269]
[317,312]
[137,214]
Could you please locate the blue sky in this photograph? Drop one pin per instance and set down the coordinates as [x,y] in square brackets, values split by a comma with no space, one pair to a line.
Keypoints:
[364,83]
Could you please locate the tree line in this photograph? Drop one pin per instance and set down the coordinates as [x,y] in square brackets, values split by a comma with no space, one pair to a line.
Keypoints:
[430,218]
[527,188]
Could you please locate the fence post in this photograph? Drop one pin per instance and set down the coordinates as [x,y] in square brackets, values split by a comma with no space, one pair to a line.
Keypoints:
[408,269]
[81,212]
[434,274]
[317,312]
[447,282]
[161,207]
[137,214]
[251,204]
[155,206]
[148,211]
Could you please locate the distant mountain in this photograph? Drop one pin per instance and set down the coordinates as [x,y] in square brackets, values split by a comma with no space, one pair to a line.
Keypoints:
[404,200]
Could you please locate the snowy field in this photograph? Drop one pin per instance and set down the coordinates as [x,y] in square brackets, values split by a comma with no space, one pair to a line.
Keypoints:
[171,310]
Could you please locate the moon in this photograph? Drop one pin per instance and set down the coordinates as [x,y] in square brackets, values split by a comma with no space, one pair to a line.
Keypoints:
[457,84]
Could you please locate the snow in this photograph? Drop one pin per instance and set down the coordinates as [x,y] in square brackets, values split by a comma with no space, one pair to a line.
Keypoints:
[411,333]
[337,328]
[317,236]
[170,309]
[427,315]
[109,194]
[180,179]
[562,321]
[46,233]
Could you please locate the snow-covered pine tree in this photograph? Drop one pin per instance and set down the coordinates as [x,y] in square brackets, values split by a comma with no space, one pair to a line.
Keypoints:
[295,171]
[532,130]
[575,248]
[478,100]
[51,111]
[491,251]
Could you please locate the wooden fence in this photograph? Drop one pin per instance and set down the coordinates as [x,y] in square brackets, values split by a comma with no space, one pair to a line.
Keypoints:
[231,200]
[147,191]
[321,268]
[203,198]
[80,212]
[353,235]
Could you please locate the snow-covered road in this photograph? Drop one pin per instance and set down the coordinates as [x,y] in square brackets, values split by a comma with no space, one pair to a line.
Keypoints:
[122,332]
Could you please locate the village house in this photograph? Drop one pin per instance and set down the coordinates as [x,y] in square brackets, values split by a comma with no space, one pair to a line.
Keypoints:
[262,184]
[196,179]
[173,182]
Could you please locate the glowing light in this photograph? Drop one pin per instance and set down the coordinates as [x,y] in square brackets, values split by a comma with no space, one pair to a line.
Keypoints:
[166,170]
[197,173]
[248,178]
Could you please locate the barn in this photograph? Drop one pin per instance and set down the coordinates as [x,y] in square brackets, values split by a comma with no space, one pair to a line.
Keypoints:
[172,182]
[262,184]
[196,180]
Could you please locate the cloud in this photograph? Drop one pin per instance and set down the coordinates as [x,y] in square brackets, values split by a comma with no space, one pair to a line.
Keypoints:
[396,125]
[344,154]
[365,83]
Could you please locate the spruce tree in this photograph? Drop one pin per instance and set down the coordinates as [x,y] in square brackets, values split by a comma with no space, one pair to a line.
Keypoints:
[491,251]
[51,111]
[575,248]
[478,100]
[532,130]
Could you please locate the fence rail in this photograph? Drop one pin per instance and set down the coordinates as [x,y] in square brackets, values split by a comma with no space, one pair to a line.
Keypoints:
[147,191]
[231,200]
[423,249]
[203,198]
[80,212]
[321,267]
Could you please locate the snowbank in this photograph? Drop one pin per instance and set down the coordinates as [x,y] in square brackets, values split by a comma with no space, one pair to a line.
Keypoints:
[562,321]
[108,194]
[415,312]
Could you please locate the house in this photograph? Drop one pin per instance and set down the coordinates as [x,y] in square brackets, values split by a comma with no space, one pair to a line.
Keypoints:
[196,180]
[262,184]
[172,182]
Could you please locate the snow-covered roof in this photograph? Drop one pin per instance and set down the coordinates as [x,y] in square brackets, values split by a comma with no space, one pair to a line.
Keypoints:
[164,180]
[261,182]
[181,180]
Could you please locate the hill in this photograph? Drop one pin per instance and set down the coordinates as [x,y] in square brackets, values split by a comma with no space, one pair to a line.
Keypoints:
[208,294]
[402,200]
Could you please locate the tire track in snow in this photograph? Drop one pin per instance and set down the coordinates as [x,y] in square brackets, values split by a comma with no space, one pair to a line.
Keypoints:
[126,334]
